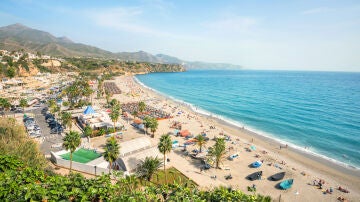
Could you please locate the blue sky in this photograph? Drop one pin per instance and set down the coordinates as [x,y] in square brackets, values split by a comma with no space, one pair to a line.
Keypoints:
[295,35]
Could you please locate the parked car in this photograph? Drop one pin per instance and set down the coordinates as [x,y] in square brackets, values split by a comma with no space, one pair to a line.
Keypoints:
[28,118]
[19,110]
[30,127]
[30,121]
[33,135]
[50,120]
[48,115]
[53,123]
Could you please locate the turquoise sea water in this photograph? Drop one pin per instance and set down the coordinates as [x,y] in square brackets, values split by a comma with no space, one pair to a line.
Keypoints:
[319,110]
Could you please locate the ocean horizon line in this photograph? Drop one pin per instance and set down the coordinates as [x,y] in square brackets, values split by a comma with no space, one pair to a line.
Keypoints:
[269,70]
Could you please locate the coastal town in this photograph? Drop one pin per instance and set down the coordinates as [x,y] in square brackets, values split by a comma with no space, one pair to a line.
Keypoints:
[118,110]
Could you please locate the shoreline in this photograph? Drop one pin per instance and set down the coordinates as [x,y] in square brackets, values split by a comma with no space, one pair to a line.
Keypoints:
[305,170]
[316,158]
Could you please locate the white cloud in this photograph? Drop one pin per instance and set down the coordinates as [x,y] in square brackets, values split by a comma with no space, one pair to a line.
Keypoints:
[316,10]
[232,24]
[122,18]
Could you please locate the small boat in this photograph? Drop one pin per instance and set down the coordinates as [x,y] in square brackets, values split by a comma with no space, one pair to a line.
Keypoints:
[277,176]
[255,176]
[233,156]
[228,177]
[286,184]
[256,164]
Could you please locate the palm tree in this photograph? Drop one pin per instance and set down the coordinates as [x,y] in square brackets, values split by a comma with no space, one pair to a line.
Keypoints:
[147,123]
[200,141]
[112,151]
[88,131]
[114,115]
[148,167]
[114,102]
[23,103]
[107,97]
[128,184]
[153,126]
[218,151]
[72,92]
[66,119]
[164,147]
[142,107]
[71,142]
[100,86]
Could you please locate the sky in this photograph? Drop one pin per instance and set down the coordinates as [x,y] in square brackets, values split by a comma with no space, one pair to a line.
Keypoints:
[293,35]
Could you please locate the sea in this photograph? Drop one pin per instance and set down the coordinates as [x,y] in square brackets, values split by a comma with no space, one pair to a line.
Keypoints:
[315,112]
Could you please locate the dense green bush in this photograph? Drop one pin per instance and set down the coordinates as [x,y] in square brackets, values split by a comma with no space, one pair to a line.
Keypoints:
[14,141]
[22,183]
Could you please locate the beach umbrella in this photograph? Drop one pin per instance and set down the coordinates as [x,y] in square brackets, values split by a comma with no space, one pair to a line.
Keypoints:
[89,110]
[252,147]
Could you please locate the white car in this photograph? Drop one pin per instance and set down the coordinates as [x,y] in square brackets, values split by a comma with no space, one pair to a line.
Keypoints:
[30,127]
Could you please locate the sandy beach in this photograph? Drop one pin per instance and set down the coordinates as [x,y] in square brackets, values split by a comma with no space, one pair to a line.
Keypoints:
[305,169]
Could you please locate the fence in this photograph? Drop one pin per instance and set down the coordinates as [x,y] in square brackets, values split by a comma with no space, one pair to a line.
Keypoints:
[90,169]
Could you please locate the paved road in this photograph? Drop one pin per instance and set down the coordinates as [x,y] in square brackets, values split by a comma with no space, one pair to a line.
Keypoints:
[47,141]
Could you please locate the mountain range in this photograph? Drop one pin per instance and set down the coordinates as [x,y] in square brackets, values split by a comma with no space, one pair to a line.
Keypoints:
[18,36]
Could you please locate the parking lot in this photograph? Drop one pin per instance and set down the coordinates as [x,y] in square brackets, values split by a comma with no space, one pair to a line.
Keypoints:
[48,142]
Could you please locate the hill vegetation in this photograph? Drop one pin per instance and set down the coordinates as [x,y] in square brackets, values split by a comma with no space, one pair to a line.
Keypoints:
[24,66]
[17,36]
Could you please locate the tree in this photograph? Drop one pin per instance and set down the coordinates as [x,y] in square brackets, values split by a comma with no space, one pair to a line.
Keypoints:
[100,87]
[114,102]
[107,97]
[38,54]
[4,102]
[88,131]
[164,147]
[218,151]
[135,113]
[147,123]
[114,115]
[51,104]
[112,151]
[77,90]
[11,72]
[200,141]
[71,141]
[153,126]
[23,103]
[148,167]
[142,107]
[66,119]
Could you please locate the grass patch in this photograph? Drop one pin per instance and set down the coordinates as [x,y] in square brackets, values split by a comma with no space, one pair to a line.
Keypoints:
[82,155]
[173,175]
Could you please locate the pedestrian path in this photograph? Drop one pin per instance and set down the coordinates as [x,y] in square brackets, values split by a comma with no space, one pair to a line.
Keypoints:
[48,137]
